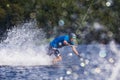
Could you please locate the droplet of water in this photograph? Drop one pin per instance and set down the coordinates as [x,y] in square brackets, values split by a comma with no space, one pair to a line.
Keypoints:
[61,23]
[61,78]
[97,70]
[85,72]
[76,67]
[8,5]
[111,60]
[75,76]
[87,61]
[81,59]
[70,54]
[108,4]
[102,53]
[82,64]
[68,72]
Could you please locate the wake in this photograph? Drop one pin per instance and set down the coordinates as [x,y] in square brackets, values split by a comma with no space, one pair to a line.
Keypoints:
[25,46]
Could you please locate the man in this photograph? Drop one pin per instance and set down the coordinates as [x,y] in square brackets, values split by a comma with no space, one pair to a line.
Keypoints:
[61,41]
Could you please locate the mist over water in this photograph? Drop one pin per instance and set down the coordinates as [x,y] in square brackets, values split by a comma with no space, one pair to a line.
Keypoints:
[25,45]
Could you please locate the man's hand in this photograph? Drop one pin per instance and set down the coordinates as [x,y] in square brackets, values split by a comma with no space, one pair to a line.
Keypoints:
[79,56]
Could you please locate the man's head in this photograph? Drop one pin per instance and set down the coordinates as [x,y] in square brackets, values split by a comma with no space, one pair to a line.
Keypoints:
[72,36]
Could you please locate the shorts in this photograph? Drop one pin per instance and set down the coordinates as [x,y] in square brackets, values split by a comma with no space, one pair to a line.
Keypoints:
[54,51]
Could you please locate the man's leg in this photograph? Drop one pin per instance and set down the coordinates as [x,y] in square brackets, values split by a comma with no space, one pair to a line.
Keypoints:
[58,57]
[50,51]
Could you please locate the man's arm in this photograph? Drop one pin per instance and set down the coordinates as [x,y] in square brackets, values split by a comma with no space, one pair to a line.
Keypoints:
[75,51]
[66,43]
[73,48]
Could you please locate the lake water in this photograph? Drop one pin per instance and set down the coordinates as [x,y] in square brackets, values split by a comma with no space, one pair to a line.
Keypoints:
[96,65]
[23,57]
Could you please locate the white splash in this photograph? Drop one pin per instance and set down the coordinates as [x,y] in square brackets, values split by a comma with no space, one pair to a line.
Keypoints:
[24,46]
[116,68]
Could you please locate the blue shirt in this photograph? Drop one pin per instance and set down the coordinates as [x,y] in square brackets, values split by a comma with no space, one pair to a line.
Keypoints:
[58,42]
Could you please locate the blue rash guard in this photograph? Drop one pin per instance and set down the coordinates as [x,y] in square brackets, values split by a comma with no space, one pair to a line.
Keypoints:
[58,42]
